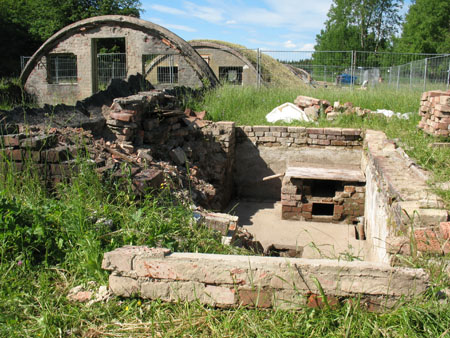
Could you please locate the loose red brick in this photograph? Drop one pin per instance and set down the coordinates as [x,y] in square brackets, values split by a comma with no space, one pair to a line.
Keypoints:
[316,301]
[445,230]
[256,298]
[351,131]
[427,241]
[350,189]
[307,207]
[121,117]
[338,209]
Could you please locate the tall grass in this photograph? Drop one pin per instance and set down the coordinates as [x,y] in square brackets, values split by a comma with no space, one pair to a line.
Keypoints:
[250,105]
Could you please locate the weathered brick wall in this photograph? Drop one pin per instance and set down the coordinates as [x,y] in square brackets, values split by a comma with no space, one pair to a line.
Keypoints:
[273,136]
[435,112]
[51,161]
[228,280]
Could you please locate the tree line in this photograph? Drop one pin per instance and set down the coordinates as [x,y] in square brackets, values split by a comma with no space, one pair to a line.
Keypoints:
[26,24]
[377,26]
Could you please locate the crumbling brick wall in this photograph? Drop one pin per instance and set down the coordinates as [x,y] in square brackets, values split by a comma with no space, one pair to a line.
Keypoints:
[206,150]
[22,150]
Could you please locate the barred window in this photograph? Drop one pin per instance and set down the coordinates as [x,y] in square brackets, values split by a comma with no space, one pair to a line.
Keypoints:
[231,75]
[167,74]
[62,68]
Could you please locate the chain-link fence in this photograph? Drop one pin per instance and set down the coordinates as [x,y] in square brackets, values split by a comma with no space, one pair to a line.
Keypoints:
[356,68]
[328,68]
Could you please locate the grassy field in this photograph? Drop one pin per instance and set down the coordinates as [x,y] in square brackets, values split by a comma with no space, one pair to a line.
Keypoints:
[50,243]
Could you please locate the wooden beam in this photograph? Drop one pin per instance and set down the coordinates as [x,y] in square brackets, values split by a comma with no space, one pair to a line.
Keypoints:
[332,174]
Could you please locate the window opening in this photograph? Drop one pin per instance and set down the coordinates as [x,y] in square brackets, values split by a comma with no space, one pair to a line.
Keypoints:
[167,74]
[160,68]
[62,68]
[232,75]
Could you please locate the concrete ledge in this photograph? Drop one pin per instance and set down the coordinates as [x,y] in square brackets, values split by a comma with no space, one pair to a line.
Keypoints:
[229,280]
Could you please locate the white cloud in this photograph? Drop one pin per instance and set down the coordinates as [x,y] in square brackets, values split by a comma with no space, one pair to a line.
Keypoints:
[208,14]
[307,47]
[179,27]
[167,10]
[172,26]
[291,14]
[231,22]
[289,44]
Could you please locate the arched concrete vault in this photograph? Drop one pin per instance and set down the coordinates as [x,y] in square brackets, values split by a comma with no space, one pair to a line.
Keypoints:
[74,39]
[241,59]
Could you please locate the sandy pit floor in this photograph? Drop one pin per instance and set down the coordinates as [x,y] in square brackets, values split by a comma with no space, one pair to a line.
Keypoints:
[319,240]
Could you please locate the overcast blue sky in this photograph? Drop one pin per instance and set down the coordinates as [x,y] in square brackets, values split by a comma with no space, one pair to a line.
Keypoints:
[266,24]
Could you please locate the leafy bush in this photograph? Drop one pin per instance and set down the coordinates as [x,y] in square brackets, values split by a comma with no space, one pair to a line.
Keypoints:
[27,234]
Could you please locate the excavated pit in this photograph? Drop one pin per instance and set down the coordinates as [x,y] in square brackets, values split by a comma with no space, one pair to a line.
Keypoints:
[316,209]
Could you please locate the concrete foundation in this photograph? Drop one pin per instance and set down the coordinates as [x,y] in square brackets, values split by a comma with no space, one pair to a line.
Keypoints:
[228,281]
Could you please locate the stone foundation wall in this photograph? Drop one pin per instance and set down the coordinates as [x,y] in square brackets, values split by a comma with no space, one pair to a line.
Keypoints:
[435,112]
[229,281]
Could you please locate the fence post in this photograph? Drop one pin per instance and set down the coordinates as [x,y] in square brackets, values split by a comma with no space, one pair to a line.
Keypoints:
[398,76]
[425,75]
[390,75]
[448,75]
[352,68]
[258,67]
[410,75]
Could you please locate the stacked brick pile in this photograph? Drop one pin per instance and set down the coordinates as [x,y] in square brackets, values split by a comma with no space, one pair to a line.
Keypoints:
[297,201]
[129,118]
[19,151]
[312,107]
[435,112]
[148,124]
[272,136]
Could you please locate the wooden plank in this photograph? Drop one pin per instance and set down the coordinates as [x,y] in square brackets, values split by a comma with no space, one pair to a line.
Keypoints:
[272,177]
[332,174]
